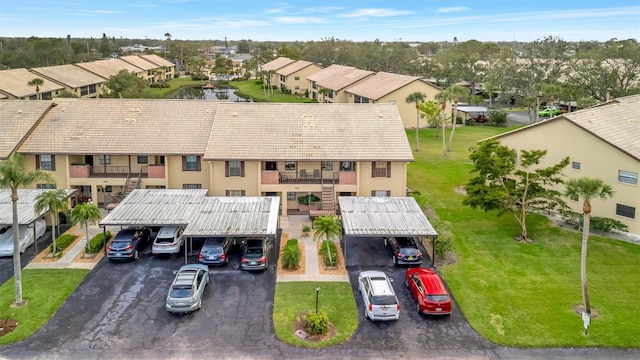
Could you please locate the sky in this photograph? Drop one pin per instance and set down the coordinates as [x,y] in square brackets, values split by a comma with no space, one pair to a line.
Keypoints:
[356,20]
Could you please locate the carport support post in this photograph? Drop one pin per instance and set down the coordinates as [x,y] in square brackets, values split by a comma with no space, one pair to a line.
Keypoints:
[104,239]
[433,251]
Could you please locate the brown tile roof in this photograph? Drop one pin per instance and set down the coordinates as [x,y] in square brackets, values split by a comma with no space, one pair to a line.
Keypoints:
[69,75]
[139,62]
[381,84]
[337,77]
[17,117]
[158,60]
[123,126]
[272,131]
[616,122]
[293,67]
[109,67]
[276,64]
[16,82]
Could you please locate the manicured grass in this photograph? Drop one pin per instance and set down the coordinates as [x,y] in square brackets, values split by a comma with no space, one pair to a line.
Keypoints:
[524,294]
[251,89]
[45,290]
[165,93]
[335,298]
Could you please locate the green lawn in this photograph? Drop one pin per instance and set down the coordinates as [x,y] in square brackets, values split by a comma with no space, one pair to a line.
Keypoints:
[524,294]
[45,290]
[164,93]
[335,298]
[251,89]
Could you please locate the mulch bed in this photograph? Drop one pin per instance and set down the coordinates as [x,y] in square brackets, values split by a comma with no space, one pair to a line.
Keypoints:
[7,326]
[298,324]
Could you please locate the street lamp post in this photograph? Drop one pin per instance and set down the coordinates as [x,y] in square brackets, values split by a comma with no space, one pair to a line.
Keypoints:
[538,96]
[309,202]
[317,292]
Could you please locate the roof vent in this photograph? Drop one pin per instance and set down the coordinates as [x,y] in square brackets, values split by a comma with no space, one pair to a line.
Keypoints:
[130,121]
[208,111]
[235,114]
[19,111]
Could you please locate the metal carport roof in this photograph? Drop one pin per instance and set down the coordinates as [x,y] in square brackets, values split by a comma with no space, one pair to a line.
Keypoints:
[156,207]
[383,216]
[26,211]
[235,216]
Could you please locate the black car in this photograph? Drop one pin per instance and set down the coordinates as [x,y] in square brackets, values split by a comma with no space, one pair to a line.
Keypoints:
[215,251]
[255,254]
[128,243]
[404,249]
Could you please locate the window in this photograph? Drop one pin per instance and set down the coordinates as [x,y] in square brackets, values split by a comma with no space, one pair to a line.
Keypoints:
[626,211]
[234,193]
[296,78]
[192,186]
[92,89]
[46,162]
[290,165]
[191,163]
[84,90]
[108,188]
[380,169]
[143,159]
[46,186]
[575,165]
[270,165]
[327,165]
[283,78]
[628,177]
[291,196]
[347,166]
[234,168]
[296,87]
[105,159]
[380,193]
[360,100]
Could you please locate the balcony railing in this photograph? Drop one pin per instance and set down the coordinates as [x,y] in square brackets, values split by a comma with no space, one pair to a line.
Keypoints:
[307,177]
[114,171]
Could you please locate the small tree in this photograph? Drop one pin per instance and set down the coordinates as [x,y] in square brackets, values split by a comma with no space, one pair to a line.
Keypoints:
[125,84]
[507,182]
[83,214]
[431,111]
[417,98]
[53,201]
[327,227]
[586,189]
[37,82]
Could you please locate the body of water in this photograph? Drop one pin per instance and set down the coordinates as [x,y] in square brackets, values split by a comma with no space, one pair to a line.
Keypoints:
[188,92]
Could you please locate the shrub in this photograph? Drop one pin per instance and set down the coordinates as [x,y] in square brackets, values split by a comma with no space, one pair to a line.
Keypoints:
[444,242]
[159,85]
[62,242]
[305,199]
[291,255]
[329,260]
[472,122]
[96,243]
[497,118]
[306,228]
[197,77]
[458,120]
[316,323]
[606,224]
[314,101]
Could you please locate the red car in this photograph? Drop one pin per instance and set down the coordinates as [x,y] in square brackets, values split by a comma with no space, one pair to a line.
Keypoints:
[429,291]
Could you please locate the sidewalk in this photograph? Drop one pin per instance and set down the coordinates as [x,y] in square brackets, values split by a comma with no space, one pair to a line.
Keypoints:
[292,224]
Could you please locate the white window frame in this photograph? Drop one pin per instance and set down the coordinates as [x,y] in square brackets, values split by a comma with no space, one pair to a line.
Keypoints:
[628,177]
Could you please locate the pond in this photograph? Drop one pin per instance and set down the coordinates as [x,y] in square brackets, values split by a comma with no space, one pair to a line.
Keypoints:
[189,92]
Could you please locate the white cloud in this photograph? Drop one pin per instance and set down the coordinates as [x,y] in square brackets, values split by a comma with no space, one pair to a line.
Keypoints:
[375,13]
[300,20]
[452,9]
[105,12]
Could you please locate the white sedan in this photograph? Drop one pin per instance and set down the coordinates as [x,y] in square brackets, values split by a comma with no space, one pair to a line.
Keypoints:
[26,237]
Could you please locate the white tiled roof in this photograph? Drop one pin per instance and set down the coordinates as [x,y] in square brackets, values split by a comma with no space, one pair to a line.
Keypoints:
[272,131]
[17,117]
[293,67]
[381,84]
[139,62]
[337,77]
[109,67]
[276,64]
[123,126]
[16,83]
[69,75]
[158,60]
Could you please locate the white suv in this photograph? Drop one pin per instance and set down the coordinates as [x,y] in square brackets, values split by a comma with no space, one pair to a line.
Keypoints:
[380,301]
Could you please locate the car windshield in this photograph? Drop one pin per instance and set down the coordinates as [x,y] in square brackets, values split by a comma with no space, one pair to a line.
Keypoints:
[253,252]
[214,249]
[438,298]
[164,240]
[409,251]
[383,300]
[180,292]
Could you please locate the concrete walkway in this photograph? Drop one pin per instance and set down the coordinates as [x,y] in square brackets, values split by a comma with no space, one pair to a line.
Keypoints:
[292,224]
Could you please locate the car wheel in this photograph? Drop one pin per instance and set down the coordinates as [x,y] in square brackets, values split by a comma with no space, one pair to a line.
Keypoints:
[395,260]
[366,315]
[418,308]
[199,304]
[136,255]
[226,260]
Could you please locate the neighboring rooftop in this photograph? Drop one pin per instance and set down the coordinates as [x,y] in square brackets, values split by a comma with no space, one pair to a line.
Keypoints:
[337,77]
[293,67]
[383,83]
[26,211]
[16,82]
[17,118]
[277,64]
[109,67]
[140,62]
[158,60]
[69,75]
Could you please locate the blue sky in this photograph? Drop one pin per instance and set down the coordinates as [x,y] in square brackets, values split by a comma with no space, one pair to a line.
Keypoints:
[265,20]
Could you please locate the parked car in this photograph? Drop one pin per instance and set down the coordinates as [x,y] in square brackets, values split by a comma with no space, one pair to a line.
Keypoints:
[215,251]
[187,288]
[548,111]
[128,243]
[380,300]
[168,241]
[26,236]
[404,250]
[430,293]
[255,254]
[479,119]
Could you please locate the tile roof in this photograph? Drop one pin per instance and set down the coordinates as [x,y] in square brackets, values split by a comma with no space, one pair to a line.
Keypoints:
[158,60]
[69,75]
[272,131]
[276,64]
[123,126]
[16,83]
[337,77]
[109,67]
[616,122]
[17,118]
[139,62]
[381,84]
[293,67]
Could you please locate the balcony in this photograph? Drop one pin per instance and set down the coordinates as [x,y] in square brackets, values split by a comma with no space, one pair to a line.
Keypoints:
[104,171]
[308,177]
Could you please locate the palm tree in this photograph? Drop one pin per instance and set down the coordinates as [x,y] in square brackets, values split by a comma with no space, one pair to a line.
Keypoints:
[328,227]
[586,189]
[83,214]
[168,37]
[324,92]
[13,176]
[453,93]
[417,98]
[36,82]
[53,201]
[443,107]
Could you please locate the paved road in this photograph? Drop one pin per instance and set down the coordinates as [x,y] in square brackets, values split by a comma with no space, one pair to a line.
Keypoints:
[117,312]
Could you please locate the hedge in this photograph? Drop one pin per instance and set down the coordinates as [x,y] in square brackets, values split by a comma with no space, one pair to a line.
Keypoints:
[62,242]
[97,242]
[291,255]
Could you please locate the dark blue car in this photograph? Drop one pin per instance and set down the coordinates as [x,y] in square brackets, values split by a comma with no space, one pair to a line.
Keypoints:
[128,243]
[215,251]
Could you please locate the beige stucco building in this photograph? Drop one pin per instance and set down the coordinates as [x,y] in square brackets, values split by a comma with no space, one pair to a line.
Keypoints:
[14,85]
[75,80]
[335,78]
[601,142]
[293,77]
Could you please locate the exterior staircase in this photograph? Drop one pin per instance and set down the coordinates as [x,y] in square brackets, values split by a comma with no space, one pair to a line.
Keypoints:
[328,203]
[129,185]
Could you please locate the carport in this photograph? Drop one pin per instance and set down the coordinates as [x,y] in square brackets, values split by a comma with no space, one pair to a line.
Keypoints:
[383,216]
[26,209]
